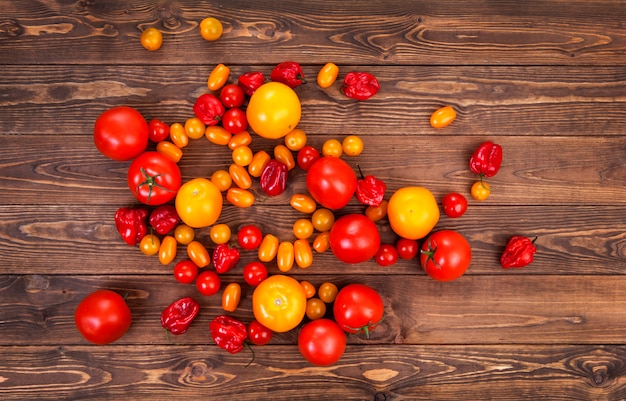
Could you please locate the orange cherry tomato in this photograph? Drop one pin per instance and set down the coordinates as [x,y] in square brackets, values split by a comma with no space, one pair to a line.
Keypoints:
[150,244]
[332,147]
[220,233]
[442,117]
[195,128]
[231,297]
[284,155]
[303,255]
[184,234]
[303,228]
[303,203]
[279,303]
[285,256]
[218,77]
[379,212]
[352,145]
[323,219]
[242,155]
[241,139]
[321,243]
[295,139]
[480,190]
[169,150]
[327,292]
[211,29]
[198,254]
[315,308]
[309,289]
[151,39]
[167,250]
[327,75]
[240,197]
[217,135]
[258,163]
[178,135]
[240,176]
[268,248]
[222,180]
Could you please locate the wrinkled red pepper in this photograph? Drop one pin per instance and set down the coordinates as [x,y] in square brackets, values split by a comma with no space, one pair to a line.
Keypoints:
[360,85]
[289,73]
[250,82]
[274,178]
[209,109]
[370,190]
[228,333]
[225,257]
[177,317]
[486,159]
[164,219]
[131,224]
[519,252]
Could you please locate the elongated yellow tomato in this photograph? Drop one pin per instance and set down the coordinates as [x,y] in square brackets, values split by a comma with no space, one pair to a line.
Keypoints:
[241,139]
[303,203]
[327,75]
[303,255]
[167,250]
[218,77]
[199,203]
[273,110]
[442,117]
[198,254]
[217,135]
[178,135]
[240,176]
[231,297]
[268,248]
[169,150]
[321,243]
[285,256]
[413,212]
[279,303]
[240,197]
[258,163]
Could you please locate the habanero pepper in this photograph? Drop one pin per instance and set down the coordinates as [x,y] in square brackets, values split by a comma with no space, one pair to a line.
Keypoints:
[228,333]
[274,178]
[360,85]
[131,224]
[209,109]
[486,159]
[225,258]
[164,219]
[519,252]
[370,190]
[250,82]
[177,317]
[289,73]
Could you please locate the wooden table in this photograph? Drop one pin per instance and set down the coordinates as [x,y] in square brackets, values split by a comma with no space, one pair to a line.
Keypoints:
[545,79]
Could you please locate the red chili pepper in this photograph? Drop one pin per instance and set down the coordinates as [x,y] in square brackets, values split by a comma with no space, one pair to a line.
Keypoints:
[228,333]
[486,159]
[177,317]
[289,73]
[360,85]
[209,109]
[370,190]
[519,252]
[164,219]
[250,82]
[274,178]
[131,224]
[225,258]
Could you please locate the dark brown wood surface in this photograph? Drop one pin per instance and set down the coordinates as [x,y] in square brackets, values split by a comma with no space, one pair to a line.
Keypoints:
[545,79]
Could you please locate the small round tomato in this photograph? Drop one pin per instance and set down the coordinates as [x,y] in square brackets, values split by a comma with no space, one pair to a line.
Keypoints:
[208,283]
[232,95]
[222,180]
[413,212]
[184,234]
[307,156]
[323,219]
[445,255]
[376,213]
[354,238]
[480,190]
[102,317]
[454,205]
[303,228]
[322,342]
[185,271]
[158,130]
[352,145]
[220,233]
[249,237]
[332,148]
[387,255]
[153,178]
[194,128]
[150,244]
[211,29]
[121,133]
[242,156]
[199,203]
[309,289]
[259,334]
[295,140]
[442,117]
[151,39]
[358,308]
[407,248]
[327,75]
[315,308]
[273,110]
[279,303]
[254,273]
[331,182]
[234,120]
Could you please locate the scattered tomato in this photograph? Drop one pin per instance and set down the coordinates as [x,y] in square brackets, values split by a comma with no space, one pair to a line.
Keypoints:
[445,255]
[249,237]
[167,250]
[121,133]
[352,145]
[323,219]
[376,213]
[327,292]
[240,197]
[332,148]
[231,297]
[259,334]
[169,150]
[185,271]
[442,117]
[407,248]
[322,342]
[268,248]
[358,308]
[309,289]
[199,203]
[480,190]
[208,283]
[315,308]
[295,139]
[198,254]
[151,39]
[413,212]
[184,234]
[454,205]
[194,128]
[303,255]
[222,180]
[285,256]
[158,130]
[273,110]
[321,243]
[387,255]
[279,303]
[303,228]
[150,244]
[218,77]
[102,317]
[254,273]
[307,156]
[234,120]
[220,233]
[211,29]
[331,182]
[354,238]
[232,95]
[327,75]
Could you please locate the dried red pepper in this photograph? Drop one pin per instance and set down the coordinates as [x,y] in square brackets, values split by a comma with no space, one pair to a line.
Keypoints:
[225,257]
[360,85]
[289,73]
[209,109]
[370,190]
[486,159]
[274,178]
[164,219]
[177,317]
[250,82]
[519,252]
[228,333]
[131,224]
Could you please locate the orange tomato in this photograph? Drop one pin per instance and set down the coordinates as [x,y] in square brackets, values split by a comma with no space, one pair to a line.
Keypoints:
[222,179]
[211,29]
[321,243]
[332,147]
[303,203]
[198,254]
[184,234]
[413,212]
[352,145]
[217,135]
[327,75]
[195,128]
[268,248]
[199,203]
[242,155]
[241,139]
[150,244]
[151,39]
[279,303]
[169,150]
[220,233]
[240,197]
[315,308]
[231,297]
[379,212]
[327,292]
[284,155]
[442,117]
[480,190]
[258,163]
[285,256]
[273,110]
[309,289]
[303,255]
[240,176]
[218,77]
[295,140]
[167,250]
[178,135]
[303,228]
[323,219]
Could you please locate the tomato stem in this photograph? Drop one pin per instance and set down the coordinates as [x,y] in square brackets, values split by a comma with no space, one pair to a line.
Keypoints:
[150,181]
[430,254]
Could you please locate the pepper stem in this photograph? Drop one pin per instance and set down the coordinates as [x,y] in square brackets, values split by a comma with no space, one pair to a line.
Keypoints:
[360,171]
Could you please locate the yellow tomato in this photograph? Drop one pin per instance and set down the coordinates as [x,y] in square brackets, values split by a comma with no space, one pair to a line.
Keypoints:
[184,234]
[303,255]
[150,244]
[211,29]
[242,155]
[258,163]
[241,139]
[178,135]
[240,197]
[167,250]
[240,176]
[199,203]
[217,135]
[268,248]
[315,308]
[352,145]
[303,203]
[169,150]
[279,303]
[222,179]
[220,233]
[327,75]
[273,110]
[231,297]
[442,117]
[303,228]
[285,256]
[295,139]
[323,219]
[151,39]
[321,243]
[194,127]
[413,212]
[480,190]
[332,147]
[327,292]
[284,155]
[218,77]
[198,254]
[379,212]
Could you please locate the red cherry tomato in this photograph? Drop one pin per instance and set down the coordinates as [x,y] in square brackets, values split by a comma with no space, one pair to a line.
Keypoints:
[208,283]
[454,205]
[249,237]
[185,271]
[234,120]
[254,272]
[322,342]
[407,248]
[121,133]
[354,238]
[387,255]
[158,130]
[259,334]
[232,95]
[307,156]
[102,317]
[331,182]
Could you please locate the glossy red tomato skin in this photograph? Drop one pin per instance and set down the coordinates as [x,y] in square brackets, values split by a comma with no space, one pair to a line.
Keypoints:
[407,248]
[452,255]
[249,237]
[232,95]
[102,317]
[387,255]
[234,120]
[322,342]
[331,182]
[158,130]
[354,238]
[208,283]
[358,308]
[254,272]
[166,175]
[454,205]
[121,133]
[307,156]
[185,271]
[259,334]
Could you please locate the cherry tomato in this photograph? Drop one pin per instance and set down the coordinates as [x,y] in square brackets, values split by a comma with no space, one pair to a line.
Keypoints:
[121,133]
[332,148]
[254,272]
[178,135]
[323,219]
[208,283]
[295,140]
[242,156]
[102,317]
[307,156]
[218,77]
[167,250]
[331,182]
[217,135]
[354,238]
[303,203]
[158,130]
[322,342]
[169,150]
[376,213]
[199,203]
[240,176]
[358,308]
[268,248]
[284,155]
[240,197]
[407,248]
[231,297]
[303,255]
[309,289]
[259,334]
[321,243]
[194,128]
[387,255]
[315,308]
[184,234]
[150,244]
[445,255]
[249,237]
[454,205]
[220,233]
[480,190]
[232,95]
[222,180]
[234,120]
[285,256]
[352,145]
[273,110]
[185,271]
[198,254]
[211,29]
[413,212]
[303,228]
[327,75]
[442,117]
[258,163]
[279,303]
[327,292]
[151,39]
[241,139]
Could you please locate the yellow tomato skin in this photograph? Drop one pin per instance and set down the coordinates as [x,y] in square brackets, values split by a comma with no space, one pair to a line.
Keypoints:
[285,256]
[268,248]
[240,197]
[258,163]
[241,139]
[231,297]
[315,308]
[199,203]
[194,127]
[167,250]
[211,29]
[284,155]
[295,139]
[178,135]
[413,212]
[303,228]
[327,75]
[220,233]
[240,176]
[303,255]
[332,147]
[273,110]
[279,303]
[217,135]
[352,145]
[198,254]
[309,288]
[303,203]
[327,292]
[218,77]
[184,234]
[323,219]
[480,190]
[151,39]
[242,156]
[442,117]
[321,243]
[150,244]
[222,179]
[169,150]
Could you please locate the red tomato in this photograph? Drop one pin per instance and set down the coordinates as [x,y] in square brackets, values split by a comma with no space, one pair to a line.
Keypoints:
[454,205]
[153,178]
[185,271]
[387,255]
[158,130]
[354,238]
[259,334]
[208,283]
[254,272]
[102,317]
[234,120]
[445,255]
[249,237]
[357,308]
[307,156]
[322,342]
[331,182]
[232,95]
[407,248]
[121,133]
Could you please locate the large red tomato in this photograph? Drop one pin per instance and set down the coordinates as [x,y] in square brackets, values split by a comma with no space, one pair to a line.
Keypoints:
[354,238]
[358,308]
[331,182]
[153,178]
[445,255]
[102,317]
[121,133]
[322,342]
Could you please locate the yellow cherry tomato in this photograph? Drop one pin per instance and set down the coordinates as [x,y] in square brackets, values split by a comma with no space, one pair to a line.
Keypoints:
[303,228]
[309,289]
[218,77]
[284,155]
[242,156]
[258,163]
[480,190]
[268,248]
[303,255]
[327,292]
[150,244]
[240,139]
[442,117]
[295,139]
[217,135]
[327,75]
[352,145]
[240,176]
[412,212]
[332,147]
[273,110]
[151,39]
[220,233]
[279,303]
[195,128]
[167,250]
[240,197]
[231,297]
[303,203]
[321,243]
[323,219]
[379,212]
[184,234]
[222,180]
[198,254]
[315,308]
[285,256]
[178,135]
[199,203]
[211,29]
[169,150]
